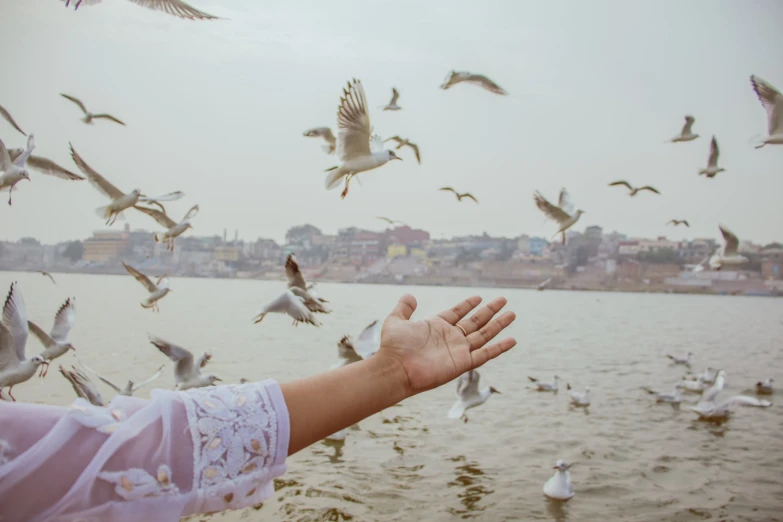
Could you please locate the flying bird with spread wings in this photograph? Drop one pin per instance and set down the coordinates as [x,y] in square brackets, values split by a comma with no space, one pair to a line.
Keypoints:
[47,274]
[131,387]
[88,116]
[187,370]
[14,171]
[458,195]
[405,143]
[157,290]
[686,134]
[392,106]
[325,133]
[353,139]
[297,285]
[678,222]
[56,343]
[632,191]
[392,222]
[562,213]
[173,229]
[7,117]
[712,161]
[176,8]
[728,255]
[482,81]
[772,101]
[45,166]
[83,386]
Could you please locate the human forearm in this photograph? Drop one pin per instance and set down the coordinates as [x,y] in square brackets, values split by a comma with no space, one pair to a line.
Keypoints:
[326,403]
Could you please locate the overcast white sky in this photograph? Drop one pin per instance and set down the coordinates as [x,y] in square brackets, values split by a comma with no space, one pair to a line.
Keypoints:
[217,109]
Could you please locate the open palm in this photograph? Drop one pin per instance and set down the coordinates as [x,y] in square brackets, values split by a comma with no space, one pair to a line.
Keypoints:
[435,351]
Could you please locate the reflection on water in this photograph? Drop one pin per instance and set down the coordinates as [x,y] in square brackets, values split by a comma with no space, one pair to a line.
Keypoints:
[556,509]
[638,460]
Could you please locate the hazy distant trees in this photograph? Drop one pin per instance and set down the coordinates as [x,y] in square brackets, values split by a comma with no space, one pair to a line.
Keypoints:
[29,241]
[301,233]
[74,251]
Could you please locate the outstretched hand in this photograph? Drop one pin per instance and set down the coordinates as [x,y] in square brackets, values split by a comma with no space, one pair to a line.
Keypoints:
[435,351]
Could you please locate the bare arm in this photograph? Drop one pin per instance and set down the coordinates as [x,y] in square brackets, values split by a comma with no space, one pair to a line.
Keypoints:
[414,357]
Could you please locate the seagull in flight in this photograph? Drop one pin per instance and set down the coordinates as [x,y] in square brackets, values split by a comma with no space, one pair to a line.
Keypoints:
[45,166]
[131,387]
[392,106]
[88,116]
[405,143]
[632,191]
[14,171]
[7,117]
[728,254]
[56,342]
[482,81]
[157,290]
[173,229]
[685,134]
[353,139]
[678,222]
[673,398]
[290,304]
[469,395]
[173,7]
[458,195]
[15,368]
[187,371]
[297,285]
[562,213]
[82,385]
[392,222]
[772,101]
[47,274]
[327,135]
[545,386]
[709,409]
[712,161]
[366,345]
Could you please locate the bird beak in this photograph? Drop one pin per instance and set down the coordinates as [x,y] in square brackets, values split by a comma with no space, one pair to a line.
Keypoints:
[218,379]
[73,348]
[397,158]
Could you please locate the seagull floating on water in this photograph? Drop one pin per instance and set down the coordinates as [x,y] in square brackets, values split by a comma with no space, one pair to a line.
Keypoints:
[772,101]
[56,342]
[678,222]
[187,371]
[392,106]
[562,214]
[545,386]
[353,139]
[131,387]
[157,290]
[173,229]
[297,285]
[709,409]
[290,304]
[712,161]
[14,171]
[15,368]
[685,134]
[579,399]
[764,387]
[327,135]
[694,386]
[727,255]
[670,398]
[482,81]
[7,117]
[406,143]
[681,360]
[173,7]
[632,191]
[469,395]
[82,385]
[559,485]
[88,116]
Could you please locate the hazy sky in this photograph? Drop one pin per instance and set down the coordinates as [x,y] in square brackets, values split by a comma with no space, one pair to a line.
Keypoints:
[217,110]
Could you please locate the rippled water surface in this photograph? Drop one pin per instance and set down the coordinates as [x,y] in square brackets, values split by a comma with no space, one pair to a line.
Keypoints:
[635,461]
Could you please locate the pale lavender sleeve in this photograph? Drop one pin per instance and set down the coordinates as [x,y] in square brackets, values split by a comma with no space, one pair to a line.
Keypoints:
[180,453]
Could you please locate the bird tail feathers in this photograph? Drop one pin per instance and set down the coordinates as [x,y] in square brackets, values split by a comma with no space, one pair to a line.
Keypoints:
[260,317]
[457,411]
[334,177]
[147,304]
[103,212]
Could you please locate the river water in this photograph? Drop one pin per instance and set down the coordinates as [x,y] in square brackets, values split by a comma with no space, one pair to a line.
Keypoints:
[636,461]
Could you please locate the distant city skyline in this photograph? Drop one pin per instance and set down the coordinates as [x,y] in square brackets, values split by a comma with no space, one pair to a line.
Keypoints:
[217,110]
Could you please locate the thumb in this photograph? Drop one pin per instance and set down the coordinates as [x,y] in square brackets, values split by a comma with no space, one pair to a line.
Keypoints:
[405,307]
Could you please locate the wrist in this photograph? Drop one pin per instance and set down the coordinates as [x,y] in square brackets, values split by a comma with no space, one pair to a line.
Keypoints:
[391,372]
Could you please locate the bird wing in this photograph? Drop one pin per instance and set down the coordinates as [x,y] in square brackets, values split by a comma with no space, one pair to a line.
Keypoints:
[64,320]
[483,81]
[686,129]
[292,305]
[171,196]
[369,341]
[161,217]
[449,189]
[7,117]
[395,96]
[47,274]
[141,278]
[449,81]
[712,160]
[21,159]
[5,158]
[104,116]
[772,101]
[162,279]
[532,379]
[551,211]
[97,181]
[193,212]
[396,139]
[75,100]
[46,166]
[8,356]
[15,319]
[184,368]
[710,394]
[353,123]
[389,221]
[294,275]
[42,336]
[415,150]
[621,183]
[732,242]
[468,195]
[176,8]
[685,222]
[744,400]
[147,381]
[470,384]
[317,132]
[651,189]
[104,379]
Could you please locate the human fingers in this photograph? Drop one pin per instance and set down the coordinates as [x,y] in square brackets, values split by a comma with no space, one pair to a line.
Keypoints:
[405,307]
[487,353]
[483,316]
[488,332]
[460,310]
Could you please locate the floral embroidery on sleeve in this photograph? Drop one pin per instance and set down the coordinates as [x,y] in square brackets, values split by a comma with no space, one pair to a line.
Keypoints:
[5,448]
[136,483]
